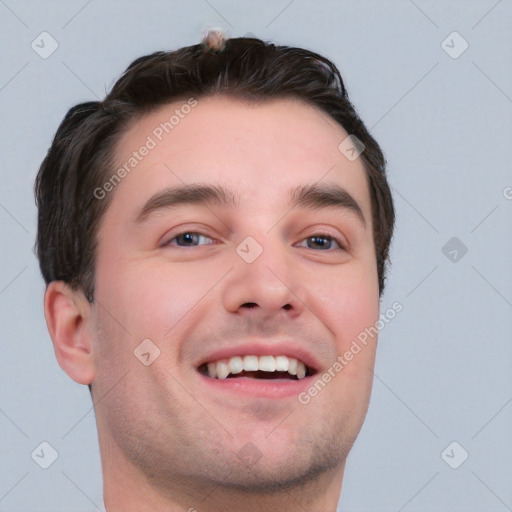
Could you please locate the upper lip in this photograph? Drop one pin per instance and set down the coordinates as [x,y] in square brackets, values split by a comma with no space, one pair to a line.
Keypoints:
[260,348]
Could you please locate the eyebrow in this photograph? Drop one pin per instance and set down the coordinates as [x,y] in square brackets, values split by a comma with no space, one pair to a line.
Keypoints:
[313,197]
[316,197]
[187,195]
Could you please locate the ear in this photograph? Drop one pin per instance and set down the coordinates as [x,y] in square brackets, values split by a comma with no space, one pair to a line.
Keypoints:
[67,312]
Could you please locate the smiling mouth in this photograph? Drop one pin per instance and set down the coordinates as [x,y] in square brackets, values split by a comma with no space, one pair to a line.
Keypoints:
[257,367]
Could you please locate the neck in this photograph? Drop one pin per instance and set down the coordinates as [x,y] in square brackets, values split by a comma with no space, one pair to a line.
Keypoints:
[128,489]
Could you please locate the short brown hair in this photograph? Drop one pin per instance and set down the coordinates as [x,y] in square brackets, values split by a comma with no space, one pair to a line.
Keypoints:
[82,152]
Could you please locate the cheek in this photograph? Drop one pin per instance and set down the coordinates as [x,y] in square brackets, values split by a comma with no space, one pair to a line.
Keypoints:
[139,301]
[348,301]
[349,304]
[157,299]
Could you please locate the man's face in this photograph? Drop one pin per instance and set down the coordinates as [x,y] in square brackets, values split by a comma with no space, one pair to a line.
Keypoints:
[187,277]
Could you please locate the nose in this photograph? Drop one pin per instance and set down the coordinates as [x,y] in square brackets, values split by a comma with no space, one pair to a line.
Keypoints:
[270,286]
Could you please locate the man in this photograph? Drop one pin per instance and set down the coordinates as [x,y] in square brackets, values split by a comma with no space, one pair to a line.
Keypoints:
[214,238]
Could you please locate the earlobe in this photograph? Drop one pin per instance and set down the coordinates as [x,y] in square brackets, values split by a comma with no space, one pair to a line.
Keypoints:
[67,313]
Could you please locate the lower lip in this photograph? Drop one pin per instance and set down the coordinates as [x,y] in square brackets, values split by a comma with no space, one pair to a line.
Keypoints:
[258,388]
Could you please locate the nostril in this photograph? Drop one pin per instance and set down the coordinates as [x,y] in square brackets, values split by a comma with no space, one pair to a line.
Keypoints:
[251,305]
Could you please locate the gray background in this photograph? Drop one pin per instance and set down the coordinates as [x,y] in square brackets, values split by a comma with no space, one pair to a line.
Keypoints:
[444,367]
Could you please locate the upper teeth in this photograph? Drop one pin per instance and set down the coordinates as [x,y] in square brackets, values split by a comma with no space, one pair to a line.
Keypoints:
[221,369]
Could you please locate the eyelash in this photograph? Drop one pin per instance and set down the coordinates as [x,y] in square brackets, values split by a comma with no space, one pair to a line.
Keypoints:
[326,236]
[315,235]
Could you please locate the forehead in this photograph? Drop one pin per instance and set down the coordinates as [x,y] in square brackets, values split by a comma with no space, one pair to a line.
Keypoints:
[260,150]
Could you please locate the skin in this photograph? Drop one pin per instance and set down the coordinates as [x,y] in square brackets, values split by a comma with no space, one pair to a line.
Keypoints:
[167,441]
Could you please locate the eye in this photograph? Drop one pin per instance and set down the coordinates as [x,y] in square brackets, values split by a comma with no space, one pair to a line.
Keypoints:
[189,239]
[322,242]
